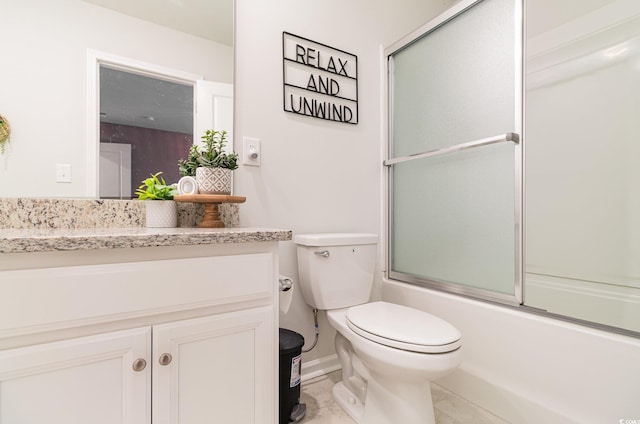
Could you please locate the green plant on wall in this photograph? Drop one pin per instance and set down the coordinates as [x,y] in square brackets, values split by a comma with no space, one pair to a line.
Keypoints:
[211,155]
[156,188]
[5,133]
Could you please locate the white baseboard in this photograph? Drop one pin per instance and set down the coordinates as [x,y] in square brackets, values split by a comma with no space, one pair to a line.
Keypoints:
[320,366]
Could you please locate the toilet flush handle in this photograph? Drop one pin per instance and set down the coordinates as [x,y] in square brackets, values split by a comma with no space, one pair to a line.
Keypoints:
[323,253]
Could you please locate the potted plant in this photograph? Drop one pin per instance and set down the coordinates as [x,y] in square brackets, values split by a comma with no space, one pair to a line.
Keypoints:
[210,164]
[159,214]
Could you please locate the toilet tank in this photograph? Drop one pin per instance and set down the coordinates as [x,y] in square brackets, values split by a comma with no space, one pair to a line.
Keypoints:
[336,269]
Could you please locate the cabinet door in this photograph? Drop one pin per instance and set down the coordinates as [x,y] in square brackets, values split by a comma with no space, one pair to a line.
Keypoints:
[78,381]
[222,369]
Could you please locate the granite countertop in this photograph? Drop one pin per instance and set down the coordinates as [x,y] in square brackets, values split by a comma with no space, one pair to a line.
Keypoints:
[43,240]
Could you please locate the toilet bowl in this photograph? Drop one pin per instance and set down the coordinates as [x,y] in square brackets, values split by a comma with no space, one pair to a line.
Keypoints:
[397,379]
[389,353]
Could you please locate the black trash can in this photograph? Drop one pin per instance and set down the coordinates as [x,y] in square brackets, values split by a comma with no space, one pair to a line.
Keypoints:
[291,410]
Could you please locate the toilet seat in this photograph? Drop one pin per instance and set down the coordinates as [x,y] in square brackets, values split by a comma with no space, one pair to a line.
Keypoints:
[403,328]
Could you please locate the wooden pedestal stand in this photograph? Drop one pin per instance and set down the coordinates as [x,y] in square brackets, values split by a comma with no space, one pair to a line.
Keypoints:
[211,217]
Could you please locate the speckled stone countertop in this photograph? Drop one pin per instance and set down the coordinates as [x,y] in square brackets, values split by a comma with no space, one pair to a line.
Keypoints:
[42,240]
[41,225]
[32,213]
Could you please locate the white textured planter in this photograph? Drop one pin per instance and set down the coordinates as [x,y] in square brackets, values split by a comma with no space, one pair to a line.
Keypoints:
[161,213]
[213,180]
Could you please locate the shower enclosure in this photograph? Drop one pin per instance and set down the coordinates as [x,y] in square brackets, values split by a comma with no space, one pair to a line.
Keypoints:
[511,178]
[455,118]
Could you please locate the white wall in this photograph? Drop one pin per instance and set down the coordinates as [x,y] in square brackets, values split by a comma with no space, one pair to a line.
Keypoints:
[316,176]
[43,82]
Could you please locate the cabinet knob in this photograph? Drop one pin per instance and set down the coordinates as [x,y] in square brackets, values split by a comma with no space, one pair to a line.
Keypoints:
[139,364]
[165,359]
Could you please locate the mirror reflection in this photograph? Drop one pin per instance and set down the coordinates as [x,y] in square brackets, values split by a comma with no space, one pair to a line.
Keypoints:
[146,126]
[46,87]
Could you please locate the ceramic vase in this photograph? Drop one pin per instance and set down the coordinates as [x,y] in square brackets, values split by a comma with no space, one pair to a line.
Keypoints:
[161,213]
[213,180]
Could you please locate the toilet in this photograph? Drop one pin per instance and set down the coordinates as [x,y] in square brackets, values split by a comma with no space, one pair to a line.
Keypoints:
[389,353]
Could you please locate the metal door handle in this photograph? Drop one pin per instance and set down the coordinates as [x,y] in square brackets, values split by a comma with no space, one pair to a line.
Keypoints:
[513,137]
[139,365]
[165,359]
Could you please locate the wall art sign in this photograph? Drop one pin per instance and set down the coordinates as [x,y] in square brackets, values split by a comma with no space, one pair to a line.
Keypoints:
[319,81]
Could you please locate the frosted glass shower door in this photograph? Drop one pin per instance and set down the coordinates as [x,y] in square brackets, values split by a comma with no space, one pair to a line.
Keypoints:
[454,152]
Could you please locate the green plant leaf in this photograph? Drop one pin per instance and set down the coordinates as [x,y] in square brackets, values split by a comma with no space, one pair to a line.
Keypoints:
[156,188]
[210,155]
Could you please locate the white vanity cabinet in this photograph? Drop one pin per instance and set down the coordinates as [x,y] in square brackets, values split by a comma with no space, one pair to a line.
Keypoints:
[148,335]
[82,380]
[216,369]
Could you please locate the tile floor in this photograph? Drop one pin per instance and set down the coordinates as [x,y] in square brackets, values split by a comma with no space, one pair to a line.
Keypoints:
[449,408]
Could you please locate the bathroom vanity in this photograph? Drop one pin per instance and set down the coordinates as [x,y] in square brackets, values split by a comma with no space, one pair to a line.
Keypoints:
[138,325]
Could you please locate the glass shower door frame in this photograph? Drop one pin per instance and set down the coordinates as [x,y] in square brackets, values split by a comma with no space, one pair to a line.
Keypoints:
[516,138]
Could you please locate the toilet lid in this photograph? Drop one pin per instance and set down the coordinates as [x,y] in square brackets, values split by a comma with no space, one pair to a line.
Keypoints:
[402,327]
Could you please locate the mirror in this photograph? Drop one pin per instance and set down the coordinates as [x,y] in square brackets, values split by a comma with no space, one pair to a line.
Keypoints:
[46,85]
[146,126]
